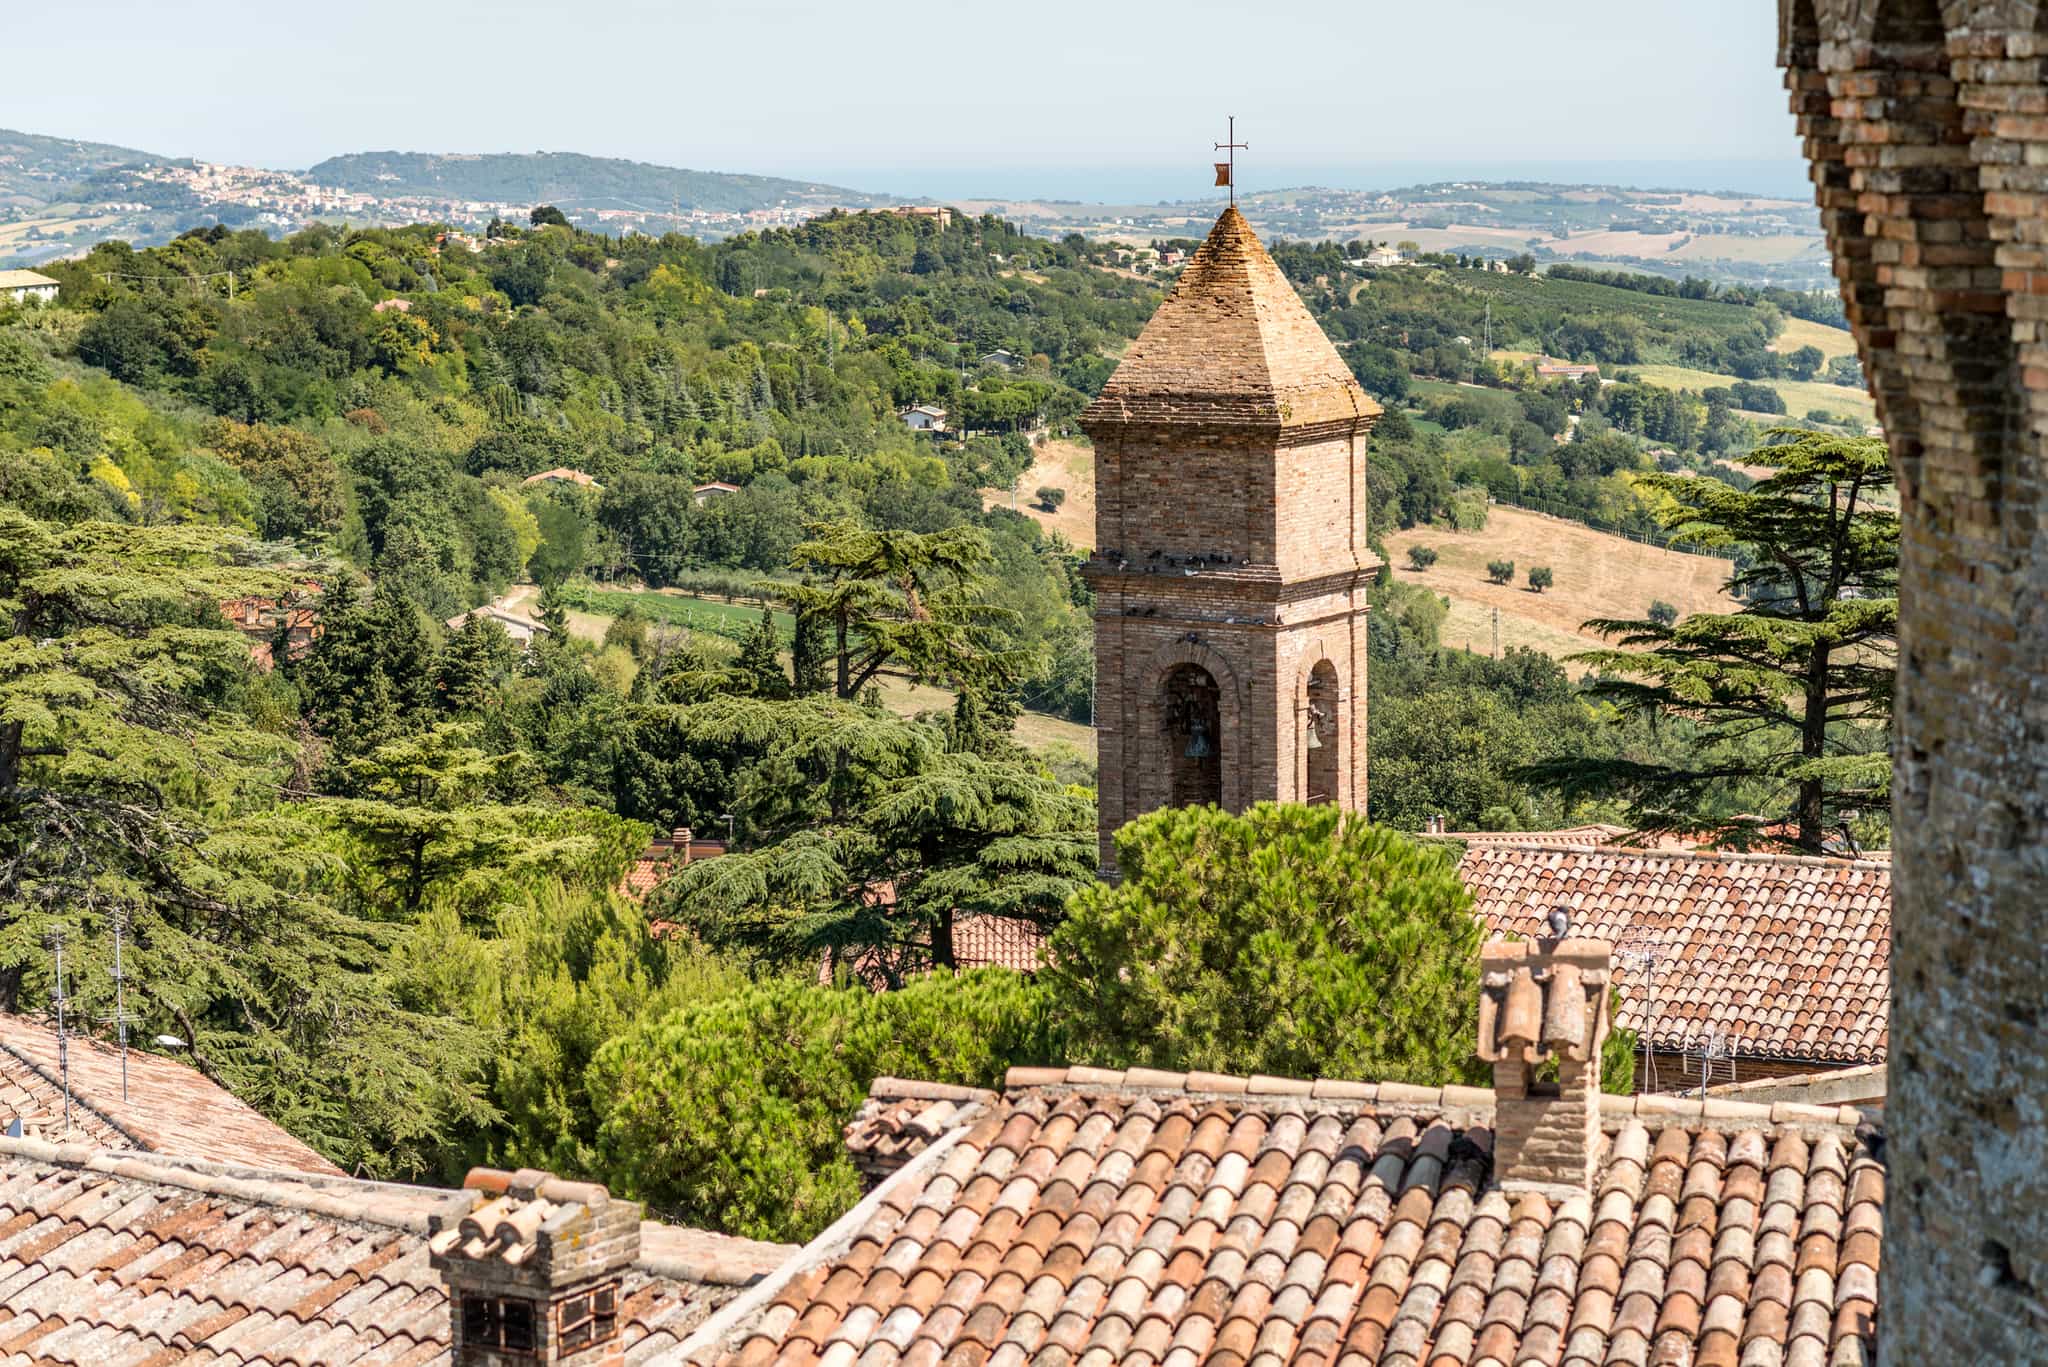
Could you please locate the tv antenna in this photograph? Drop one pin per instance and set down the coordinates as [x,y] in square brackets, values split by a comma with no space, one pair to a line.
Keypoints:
[120,1019]
[1642,957]
[1717,1047]
[55,940]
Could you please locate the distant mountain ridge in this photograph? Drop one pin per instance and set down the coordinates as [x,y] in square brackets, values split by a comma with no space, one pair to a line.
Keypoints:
[570,180]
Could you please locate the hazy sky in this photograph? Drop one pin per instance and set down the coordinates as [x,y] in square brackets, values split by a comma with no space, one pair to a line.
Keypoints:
[850,90]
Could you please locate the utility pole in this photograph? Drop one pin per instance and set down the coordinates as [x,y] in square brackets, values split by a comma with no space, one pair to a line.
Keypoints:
[1496,633]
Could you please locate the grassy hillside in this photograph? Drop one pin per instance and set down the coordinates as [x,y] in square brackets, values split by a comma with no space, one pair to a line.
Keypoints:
[1597,573]
[568,179]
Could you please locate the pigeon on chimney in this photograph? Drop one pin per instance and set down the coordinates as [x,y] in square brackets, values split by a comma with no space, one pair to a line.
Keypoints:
[1560,923]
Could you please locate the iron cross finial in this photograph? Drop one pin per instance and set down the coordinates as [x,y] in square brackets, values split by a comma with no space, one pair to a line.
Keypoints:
[1226,171]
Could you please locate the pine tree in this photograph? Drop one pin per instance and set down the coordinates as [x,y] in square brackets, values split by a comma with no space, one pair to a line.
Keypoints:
[914,601]
[477,657]
[554,614]
[1789,697]
[967,730]
[843,803]
[371,675]
[1290,940]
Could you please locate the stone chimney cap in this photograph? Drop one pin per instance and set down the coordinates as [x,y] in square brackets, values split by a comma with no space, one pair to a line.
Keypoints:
[1543,999]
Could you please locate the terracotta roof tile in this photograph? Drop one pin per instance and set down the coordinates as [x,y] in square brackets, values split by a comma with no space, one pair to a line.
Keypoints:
[170,1107]
[1150,1218]
[1786,956]
[1233,343]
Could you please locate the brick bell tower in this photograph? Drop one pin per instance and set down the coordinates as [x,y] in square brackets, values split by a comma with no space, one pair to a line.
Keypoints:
[1231,566]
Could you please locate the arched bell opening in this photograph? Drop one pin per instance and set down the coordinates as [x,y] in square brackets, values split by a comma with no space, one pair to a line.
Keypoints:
[1191,716]
[1321,732]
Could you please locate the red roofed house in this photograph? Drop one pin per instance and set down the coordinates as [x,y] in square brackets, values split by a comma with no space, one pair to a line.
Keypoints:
[1753,965]
[561,474]
[664,856]
[260,618]
[121,1258]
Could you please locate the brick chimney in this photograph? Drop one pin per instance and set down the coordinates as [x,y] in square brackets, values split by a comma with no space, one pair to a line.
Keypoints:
[533,1265]
[679,844]
[1542,1001]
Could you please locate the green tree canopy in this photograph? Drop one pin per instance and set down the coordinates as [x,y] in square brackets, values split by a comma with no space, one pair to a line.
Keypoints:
[871,838]
[731,1113]
[904,600]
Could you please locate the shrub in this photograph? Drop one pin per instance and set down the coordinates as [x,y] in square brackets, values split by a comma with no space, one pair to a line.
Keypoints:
[1421,557]
[1050,498]
[1539,578]
[729,1113]
[1366,938]
[1662,613]
[1500,571]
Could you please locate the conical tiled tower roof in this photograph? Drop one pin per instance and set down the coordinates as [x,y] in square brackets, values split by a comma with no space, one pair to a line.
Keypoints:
[1232,344]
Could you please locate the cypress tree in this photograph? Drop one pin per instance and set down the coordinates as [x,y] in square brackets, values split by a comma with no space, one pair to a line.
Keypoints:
[760,662]
[810,656]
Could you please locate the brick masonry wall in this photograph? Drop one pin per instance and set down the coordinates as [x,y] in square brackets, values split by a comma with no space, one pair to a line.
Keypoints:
[1241,550]
[1549,1141]
[1927,129]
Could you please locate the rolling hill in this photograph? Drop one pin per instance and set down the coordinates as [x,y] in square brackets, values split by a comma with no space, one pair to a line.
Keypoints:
[36,171]
[568,180]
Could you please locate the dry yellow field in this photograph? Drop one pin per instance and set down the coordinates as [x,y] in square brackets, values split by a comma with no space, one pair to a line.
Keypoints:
[1068,465]
[1800,332]
[1597,574]
[1034,730]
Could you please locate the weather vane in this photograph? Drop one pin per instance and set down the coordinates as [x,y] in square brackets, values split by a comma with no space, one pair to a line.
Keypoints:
[1226,171]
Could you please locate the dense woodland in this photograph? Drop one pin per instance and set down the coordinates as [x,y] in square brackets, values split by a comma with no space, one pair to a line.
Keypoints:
[374,888]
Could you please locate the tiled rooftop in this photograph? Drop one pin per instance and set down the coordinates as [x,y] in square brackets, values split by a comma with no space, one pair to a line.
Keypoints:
[662,857]
[113,1259]
[171,1107]
[1155,1218]
[978,942]
[997,942]
[1233,343]
[1788,956]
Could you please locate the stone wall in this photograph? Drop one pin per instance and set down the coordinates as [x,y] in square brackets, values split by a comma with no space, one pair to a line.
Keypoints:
[1927,128]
